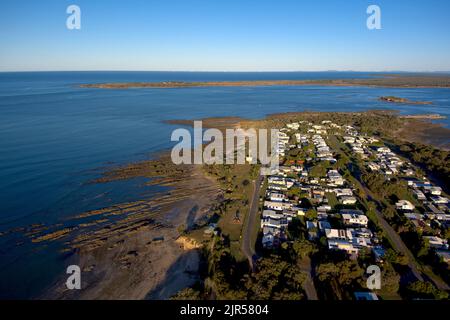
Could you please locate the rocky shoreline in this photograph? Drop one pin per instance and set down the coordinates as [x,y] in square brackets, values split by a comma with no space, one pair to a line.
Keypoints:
[136,250]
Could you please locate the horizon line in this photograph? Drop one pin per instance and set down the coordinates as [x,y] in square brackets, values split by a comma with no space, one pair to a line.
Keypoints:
[229,71]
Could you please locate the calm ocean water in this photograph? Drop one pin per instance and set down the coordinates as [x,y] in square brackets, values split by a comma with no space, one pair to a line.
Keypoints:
[56,137]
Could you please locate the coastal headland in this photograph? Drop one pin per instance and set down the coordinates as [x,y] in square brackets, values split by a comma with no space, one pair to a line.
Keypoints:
[154,247]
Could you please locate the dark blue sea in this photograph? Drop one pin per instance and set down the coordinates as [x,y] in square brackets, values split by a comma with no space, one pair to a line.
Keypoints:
[56,137]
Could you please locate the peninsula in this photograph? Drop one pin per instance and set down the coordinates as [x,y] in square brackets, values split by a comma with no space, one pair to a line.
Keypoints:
[393,81]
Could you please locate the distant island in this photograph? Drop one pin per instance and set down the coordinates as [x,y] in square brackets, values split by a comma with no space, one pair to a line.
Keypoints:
[394,99]
[396,81]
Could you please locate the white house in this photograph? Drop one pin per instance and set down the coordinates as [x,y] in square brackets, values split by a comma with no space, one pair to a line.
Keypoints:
[404,205]
[348,200]
[337,244]
[383,150]
[439,200]
[359,220]
[277,197]
[436,242]
[419,195]
[275,205]
[436,191]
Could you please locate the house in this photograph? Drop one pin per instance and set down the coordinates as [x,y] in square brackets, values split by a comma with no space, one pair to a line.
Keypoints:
[294,125]
[276,205]
[360,232]
[361,242]
[404,205]
[324,224]
[270,235]
[373,166]
[280,223]
[343,192]
[443,217]
[276,180]
[439,200]
[359,220]
[383,150]
[324,208]
[410,215]
[378,253]
[277,197]
[435,191]
[335,178]
[349,140]
[351,211]
[338,234]
[436,242]
[277,187]
[408,172]
[347,200]
[312,230]
[419,195]
[271,214]
[445,255]
[300,211]
[433,209]
[268,239]
[338,244]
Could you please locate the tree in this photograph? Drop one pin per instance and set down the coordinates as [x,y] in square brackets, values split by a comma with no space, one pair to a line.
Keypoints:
[389,213]
[311,214]
[275,279]
[390,280]
[395,257]
[304,248]
[187,294]
[345,272]
[425,290]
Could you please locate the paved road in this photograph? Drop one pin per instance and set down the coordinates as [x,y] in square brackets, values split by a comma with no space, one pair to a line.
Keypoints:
[396,240]
[308,285]
[400,246]
[248,245]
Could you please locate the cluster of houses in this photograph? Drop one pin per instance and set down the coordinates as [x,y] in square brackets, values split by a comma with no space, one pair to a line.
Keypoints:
[359,144]
[435,212]
[350,234]
[387,162]
[435,207]
[323,151]
[332,200]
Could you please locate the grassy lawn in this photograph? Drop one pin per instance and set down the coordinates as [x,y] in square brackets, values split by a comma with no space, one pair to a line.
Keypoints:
[332,200]
[237,183]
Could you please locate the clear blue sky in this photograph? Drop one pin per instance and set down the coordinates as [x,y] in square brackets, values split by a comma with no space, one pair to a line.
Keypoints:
[226,35]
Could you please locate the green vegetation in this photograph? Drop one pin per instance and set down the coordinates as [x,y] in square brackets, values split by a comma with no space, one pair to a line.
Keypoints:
[425,290]
[235,181]
[433,160]
[280,273]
